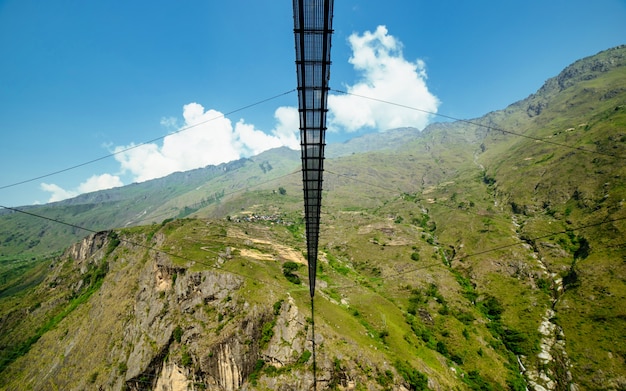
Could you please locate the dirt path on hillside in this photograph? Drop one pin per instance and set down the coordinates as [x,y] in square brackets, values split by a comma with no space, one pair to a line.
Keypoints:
[277,251]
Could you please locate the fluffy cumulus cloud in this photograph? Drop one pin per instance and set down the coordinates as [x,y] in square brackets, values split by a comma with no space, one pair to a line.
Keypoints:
[206,138]
[94,183]
[385,76]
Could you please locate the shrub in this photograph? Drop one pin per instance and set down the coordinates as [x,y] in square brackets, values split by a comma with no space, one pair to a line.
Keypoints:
[492,308]
[385,379]
[185,358]
[114,241]
[583,249]
[267,333]
[477,382]
[464,317]
[384,333]
[254,376]
[304,358]
[442,348]
[570,280]
[417,380]
[277,306]
[415,300]
[177,334]
[288,271]
[515,341]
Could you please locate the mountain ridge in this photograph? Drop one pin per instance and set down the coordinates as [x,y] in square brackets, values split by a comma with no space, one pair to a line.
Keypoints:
[481,254]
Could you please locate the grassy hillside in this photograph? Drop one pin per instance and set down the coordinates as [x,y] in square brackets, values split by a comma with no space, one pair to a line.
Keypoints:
[454,258]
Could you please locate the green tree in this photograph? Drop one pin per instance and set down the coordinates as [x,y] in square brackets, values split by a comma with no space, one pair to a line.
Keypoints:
[288,271]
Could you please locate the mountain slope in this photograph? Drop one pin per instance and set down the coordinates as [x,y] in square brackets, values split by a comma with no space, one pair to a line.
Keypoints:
[454,258]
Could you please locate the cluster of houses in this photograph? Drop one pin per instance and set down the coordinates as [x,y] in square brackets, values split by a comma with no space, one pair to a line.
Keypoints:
[253,217]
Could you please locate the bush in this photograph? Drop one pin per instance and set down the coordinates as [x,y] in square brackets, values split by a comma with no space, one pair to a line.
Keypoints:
[491,307]
[177,334]
[417,380]
[277,306]
[415,300]
[254,376]
[477,382]
[304,358]
[383,334]
[464,317]
[515,341]
[267,333]
[442,348]
[185,358]
[114,241]
[288,271]
[570,280]
[583,249]
[385,379]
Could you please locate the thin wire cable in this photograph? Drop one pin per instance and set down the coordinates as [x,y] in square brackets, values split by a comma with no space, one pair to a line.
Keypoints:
[337,286]
[392,191]
[150,248]
[313,344]
[145,142]
[292,173]
[387,189]
[482,125]
[223,115]
[493,249]
[541,237]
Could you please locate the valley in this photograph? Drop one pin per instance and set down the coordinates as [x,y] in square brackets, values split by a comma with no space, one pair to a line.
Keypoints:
[485,254]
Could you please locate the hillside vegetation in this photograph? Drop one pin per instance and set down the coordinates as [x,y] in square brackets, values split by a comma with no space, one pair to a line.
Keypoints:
[486,254]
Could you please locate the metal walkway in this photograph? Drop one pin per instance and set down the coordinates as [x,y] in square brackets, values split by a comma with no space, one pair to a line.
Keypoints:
[313,31]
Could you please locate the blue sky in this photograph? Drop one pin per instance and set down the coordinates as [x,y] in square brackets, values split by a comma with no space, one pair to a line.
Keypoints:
[81,79]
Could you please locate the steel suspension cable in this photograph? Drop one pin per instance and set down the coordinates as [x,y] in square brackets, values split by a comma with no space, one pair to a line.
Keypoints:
[134,146]
[312,33]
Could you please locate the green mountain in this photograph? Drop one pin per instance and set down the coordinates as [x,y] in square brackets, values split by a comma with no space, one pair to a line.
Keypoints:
[485,254]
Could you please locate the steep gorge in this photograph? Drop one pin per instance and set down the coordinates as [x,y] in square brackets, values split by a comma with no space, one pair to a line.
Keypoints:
[455,258]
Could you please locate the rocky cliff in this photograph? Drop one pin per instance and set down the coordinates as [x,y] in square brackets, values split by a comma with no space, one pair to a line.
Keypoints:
[155,321]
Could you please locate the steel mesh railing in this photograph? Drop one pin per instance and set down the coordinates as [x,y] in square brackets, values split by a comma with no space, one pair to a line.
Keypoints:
[312,31]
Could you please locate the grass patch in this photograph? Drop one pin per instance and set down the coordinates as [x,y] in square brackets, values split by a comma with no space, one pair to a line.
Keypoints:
[93,281]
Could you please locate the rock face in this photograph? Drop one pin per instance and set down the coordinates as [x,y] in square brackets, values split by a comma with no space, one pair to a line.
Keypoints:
[172,378]
[89,249]
[175,329]
[288,337]
[149,322]
[176,313]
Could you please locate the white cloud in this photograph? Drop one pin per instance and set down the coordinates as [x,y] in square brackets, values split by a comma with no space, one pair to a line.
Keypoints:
[386,76]
[100,182]
[94,183]
[206,138]
[288,123]
[169,122]
[58,193]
